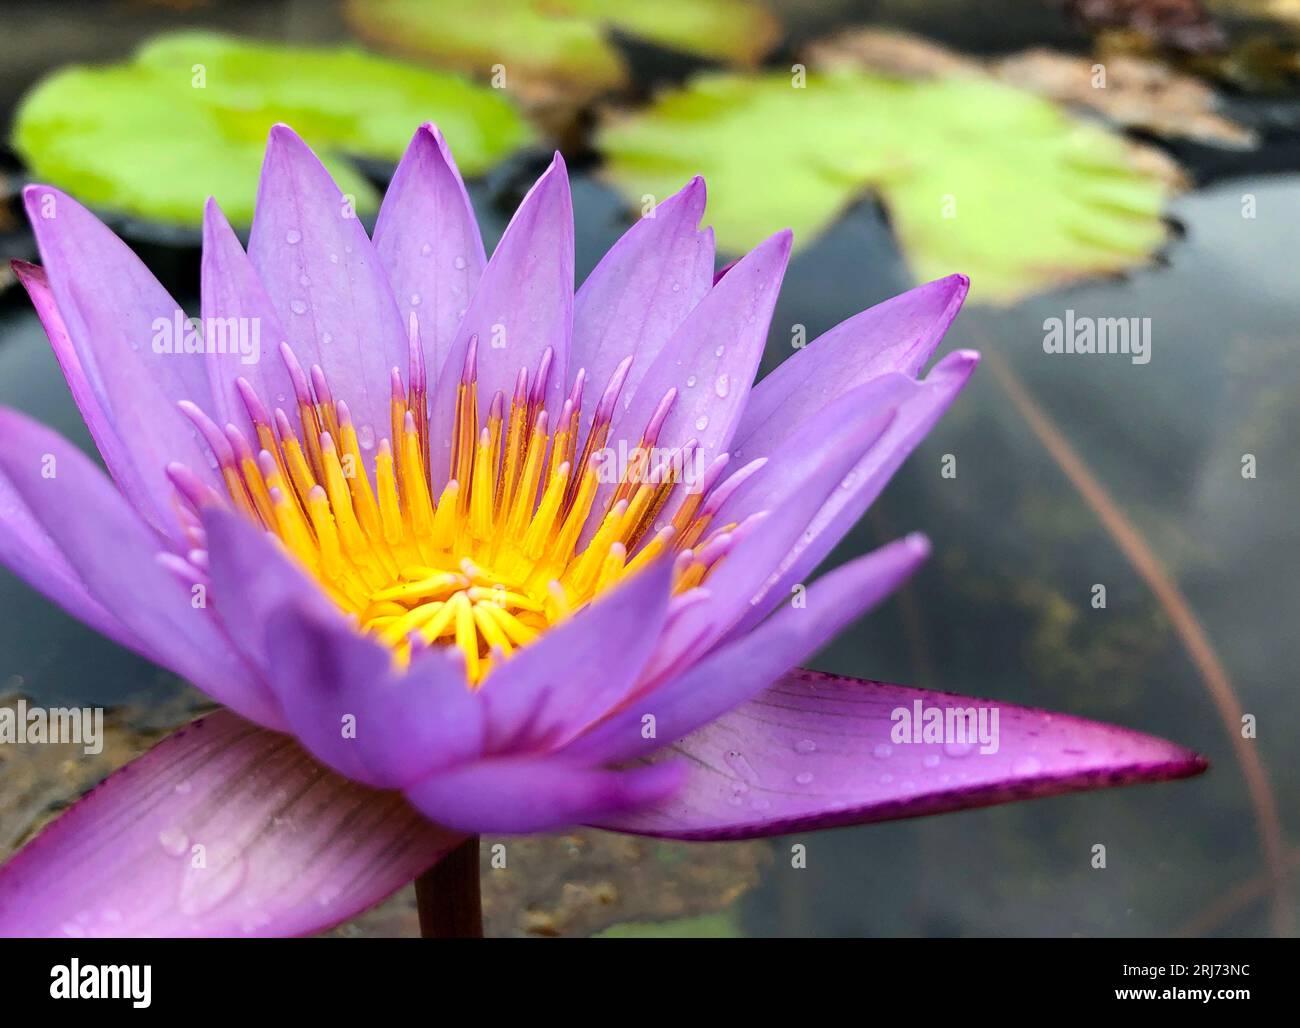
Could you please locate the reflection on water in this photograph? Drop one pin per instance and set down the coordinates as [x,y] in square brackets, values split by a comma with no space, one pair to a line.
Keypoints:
[1002,610]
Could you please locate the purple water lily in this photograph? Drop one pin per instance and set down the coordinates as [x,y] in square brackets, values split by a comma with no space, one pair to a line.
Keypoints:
[463,551]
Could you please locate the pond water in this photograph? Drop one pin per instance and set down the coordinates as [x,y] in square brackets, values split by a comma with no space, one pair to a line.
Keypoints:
[1003,607]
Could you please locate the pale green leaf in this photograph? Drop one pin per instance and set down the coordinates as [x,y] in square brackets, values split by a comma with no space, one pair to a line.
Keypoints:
[977,176]
[189,115]
[564,41]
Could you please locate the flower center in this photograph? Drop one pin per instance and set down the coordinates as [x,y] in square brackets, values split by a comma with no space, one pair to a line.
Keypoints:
[496,556]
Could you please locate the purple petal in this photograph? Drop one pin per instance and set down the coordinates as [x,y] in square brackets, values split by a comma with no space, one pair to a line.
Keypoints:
[114,553]
[222,829]
[914,420]
[523,306]
[253,576]
[358,714]
[515,796]
[115,312]
[232,290]
[642,290]
[102,429]
[329,289]
[829,452]
[28,551]
[816,751]
[553,688]
[428,242]
[736,672]
[897,335]
[712,357]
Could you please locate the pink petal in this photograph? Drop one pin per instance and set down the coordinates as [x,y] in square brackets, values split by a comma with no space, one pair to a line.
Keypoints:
[815,751]
[221,829]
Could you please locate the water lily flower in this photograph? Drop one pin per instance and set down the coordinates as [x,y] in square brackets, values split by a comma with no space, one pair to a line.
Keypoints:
[462,551]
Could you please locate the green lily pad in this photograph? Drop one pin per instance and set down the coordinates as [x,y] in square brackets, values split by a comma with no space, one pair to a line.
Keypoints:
[564,41]
[188,116]
[706,926]
[977,176]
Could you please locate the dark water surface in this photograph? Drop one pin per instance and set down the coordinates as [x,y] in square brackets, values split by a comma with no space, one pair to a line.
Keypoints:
[1002,610]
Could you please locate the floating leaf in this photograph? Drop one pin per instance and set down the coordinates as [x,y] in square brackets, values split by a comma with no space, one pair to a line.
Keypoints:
[977,176]
[706,926]
[188,118]
[564,41]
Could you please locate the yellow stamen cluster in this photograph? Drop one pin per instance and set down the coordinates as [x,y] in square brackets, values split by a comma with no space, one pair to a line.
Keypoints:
[494,558]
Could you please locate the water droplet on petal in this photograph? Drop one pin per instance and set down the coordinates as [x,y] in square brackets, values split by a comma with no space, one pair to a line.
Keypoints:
[298,306]
[690,381]
[702,422]
[737,762]
[204,888]
[805,746]
[293,237]
[426,249]
[366,436]
[304,281]
[334,258]
[174,841]
[415,299]
[458,263]
[722,385]
[804,778]
[719,351]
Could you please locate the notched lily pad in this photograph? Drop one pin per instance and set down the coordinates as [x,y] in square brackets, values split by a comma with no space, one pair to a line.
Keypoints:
[564,41]
[187,117]
[977,176]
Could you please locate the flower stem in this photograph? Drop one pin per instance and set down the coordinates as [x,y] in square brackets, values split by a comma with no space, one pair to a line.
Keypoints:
[447,895]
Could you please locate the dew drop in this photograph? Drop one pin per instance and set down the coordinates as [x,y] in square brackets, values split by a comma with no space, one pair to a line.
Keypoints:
[293,237]
[719,351]
[722,385]
[204,888]
[690,381]
[677,287]
[366,436]
[458,263]
[415,299]
[426,249]
[304,281]
[702,422]
[174,841]
[805,746]
[804,778]
[737,762]
[298,306]
[334,258]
